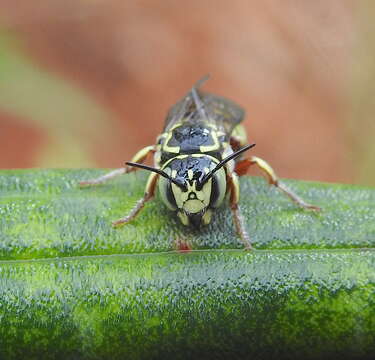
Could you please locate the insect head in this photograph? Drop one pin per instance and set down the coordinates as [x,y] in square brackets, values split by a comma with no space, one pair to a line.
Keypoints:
[193,185]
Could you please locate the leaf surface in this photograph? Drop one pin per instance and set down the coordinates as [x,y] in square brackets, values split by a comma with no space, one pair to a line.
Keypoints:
[71,286]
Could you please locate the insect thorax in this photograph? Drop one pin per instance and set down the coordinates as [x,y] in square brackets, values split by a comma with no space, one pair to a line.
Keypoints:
[191,137]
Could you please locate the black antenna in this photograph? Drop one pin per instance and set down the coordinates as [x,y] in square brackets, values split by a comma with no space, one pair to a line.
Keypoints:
[158,171]
[224,161]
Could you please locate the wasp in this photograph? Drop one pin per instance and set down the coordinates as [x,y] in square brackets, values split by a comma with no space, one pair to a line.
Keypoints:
[198,159]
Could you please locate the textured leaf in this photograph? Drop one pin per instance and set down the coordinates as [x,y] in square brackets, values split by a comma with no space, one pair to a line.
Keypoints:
[308,290]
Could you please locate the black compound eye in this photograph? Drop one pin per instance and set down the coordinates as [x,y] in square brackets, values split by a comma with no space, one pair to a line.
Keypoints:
[214,191]
[166,193]
[218,188]
[170,196]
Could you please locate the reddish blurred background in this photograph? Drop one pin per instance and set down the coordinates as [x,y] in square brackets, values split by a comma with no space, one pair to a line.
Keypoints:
[88,82]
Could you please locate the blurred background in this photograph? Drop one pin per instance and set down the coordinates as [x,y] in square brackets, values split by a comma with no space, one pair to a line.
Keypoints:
[86,83]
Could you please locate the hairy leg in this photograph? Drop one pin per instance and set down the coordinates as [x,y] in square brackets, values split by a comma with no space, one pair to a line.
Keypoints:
[237,216]
[139,157]
[149,194]
[273,180]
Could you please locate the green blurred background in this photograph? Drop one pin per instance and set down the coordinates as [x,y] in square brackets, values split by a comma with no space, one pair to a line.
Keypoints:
[86,83]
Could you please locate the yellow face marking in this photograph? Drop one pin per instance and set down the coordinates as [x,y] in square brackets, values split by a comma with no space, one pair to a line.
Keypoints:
[193,206]
[190,174]
[183,217]
[206,218]
[174,173]
[193,200]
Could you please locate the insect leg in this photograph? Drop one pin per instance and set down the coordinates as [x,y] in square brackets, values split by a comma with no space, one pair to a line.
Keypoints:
[237,216]
[273,180]
[149,194]
[238,139]
[242,167]
[139,157]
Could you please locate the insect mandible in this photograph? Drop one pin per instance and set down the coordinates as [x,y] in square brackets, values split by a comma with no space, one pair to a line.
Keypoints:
[197,161]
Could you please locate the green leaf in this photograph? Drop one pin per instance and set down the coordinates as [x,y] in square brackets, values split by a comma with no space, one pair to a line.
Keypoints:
[308,290]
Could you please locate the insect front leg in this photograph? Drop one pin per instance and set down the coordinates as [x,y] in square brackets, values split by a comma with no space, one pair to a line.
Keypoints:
[237,216]
[139,157]
[149,194]
[273,180]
